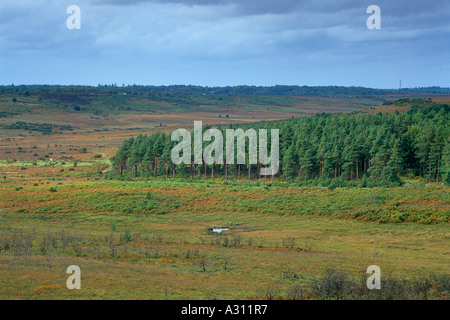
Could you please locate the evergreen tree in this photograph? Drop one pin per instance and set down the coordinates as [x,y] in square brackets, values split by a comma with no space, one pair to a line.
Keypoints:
[289,161]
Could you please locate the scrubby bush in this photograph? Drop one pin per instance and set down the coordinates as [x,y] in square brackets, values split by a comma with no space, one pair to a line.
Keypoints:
[332,186]
[126,236]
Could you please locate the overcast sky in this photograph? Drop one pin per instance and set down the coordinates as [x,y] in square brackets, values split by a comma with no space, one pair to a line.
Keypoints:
[226,42]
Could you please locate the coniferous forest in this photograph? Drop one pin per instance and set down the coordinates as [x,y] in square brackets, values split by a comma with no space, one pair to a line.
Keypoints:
[356,149]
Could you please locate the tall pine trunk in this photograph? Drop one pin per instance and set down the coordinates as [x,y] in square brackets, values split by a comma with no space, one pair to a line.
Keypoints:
[156,166]
[357,171]
[226,171]
[437,174]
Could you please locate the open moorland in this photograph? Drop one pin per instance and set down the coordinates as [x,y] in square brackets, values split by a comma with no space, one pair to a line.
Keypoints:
[155,238]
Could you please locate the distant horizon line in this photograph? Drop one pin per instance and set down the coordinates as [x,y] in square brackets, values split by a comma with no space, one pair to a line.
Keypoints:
[114,85]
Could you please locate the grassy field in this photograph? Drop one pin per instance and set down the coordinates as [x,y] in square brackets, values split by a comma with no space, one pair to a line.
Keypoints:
[112,112]
[153,239]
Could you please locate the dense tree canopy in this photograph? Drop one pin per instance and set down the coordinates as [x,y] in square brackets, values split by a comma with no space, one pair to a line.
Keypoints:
[369,148]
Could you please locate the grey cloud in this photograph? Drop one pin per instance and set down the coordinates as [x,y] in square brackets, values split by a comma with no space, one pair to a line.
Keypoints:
[252,6]
[308,35]
[398,8]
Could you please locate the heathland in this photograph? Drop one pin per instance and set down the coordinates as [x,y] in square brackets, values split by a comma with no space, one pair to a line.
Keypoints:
[340,204]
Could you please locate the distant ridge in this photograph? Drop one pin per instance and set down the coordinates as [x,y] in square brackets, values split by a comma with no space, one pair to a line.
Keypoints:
[282,90]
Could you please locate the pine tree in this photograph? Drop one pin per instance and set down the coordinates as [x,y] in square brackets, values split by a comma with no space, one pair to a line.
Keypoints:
[289,161]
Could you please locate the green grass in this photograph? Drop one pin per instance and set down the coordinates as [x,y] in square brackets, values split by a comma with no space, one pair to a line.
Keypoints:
[55,163]
[382,205]
[153,239]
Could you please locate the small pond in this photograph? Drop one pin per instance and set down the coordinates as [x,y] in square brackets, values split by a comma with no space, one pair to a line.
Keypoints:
[219,230]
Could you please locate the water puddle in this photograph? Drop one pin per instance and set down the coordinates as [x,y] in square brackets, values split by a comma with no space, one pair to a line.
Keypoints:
[219,230]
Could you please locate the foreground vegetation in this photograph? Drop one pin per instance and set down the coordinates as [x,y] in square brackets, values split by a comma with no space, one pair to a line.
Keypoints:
[153,239]
[411,203]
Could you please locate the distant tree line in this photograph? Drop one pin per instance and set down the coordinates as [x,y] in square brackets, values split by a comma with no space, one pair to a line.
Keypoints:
[44,128]
[372,149]
[283,90]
